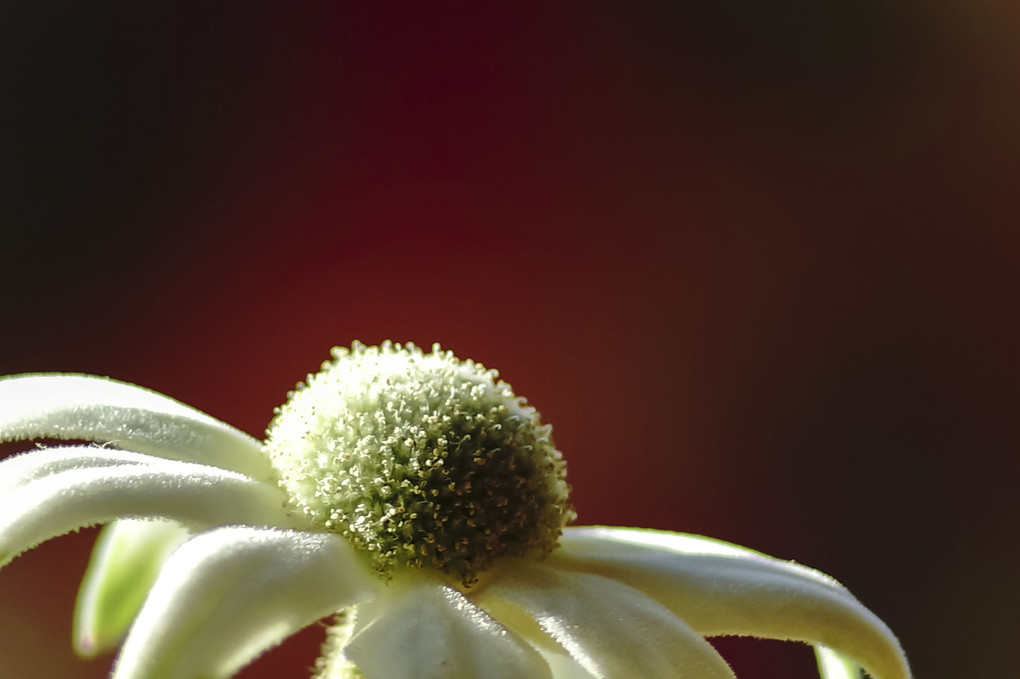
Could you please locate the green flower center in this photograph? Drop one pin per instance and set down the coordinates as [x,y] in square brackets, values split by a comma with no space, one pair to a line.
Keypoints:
[420,460]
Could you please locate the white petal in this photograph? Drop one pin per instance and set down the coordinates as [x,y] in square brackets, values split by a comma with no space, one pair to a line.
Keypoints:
[125,562]
[228,594]
[721,588]
[610,629]
[22,468]
[192,494]
[423,629]
[128,416]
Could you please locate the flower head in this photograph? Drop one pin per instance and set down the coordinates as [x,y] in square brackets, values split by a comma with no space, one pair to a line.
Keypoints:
[413,497]
[420,460]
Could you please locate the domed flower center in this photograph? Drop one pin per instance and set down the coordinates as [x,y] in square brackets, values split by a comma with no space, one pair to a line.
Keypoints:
[420,460]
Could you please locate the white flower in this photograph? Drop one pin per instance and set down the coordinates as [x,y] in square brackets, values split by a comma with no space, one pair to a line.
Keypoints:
[411,495]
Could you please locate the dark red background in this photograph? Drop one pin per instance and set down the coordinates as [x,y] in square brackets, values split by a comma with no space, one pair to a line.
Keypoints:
[756,262]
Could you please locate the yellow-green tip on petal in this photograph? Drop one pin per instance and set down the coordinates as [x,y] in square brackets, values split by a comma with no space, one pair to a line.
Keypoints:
[832,665]
[125,562]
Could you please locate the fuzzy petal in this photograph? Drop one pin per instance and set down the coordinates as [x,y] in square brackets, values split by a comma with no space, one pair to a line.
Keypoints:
[193,494]
[229,594]
[23,468]
[95,610]
[610,629]
[125,562]
[125,415]
[720,588]
[423,629]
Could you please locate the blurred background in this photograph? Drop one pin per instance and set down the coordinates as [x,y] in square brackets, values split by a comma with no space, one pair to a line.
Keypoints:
[756,262]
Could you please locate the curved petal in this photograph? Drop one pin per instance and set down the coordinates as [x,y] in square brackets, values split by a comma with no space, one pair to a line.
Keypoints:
[125,562]
[193,494]
[228,594]
[23,468]
[720,588]
[610,629]
[128,416]
[423,629]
